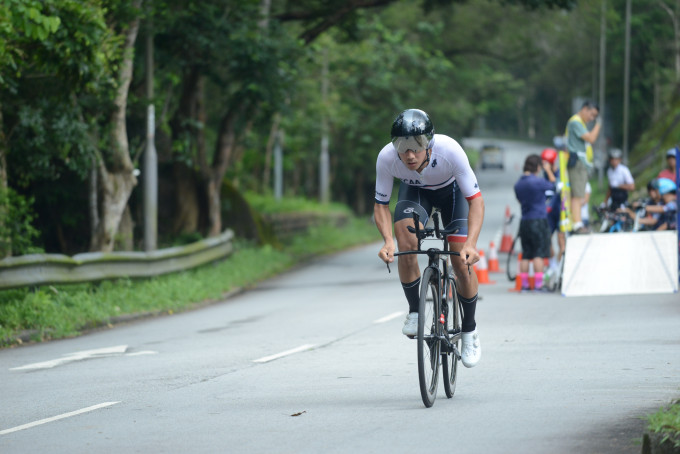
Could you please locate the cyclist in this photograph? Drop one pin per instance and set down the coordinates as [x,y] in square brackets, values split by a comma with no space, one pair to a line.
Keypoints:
[668,209]
[435,173]
[648,220]
[620,180]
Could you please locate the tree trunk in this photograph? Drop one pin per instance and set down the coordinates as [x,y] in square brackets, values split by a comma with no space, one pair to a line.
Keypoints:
[117,182]
[6,242]
[224,149]
[191,110]
[266,174]
[186,214]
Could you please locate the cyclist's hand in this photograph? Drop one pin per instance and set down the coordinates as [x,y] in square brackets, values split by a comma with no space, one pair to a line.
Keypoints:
[469,255]
[386,254]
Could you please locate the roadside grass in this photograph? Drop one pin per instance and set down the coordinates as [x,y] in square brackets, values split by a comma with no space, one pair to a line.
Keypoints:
[666,423]
[54,312]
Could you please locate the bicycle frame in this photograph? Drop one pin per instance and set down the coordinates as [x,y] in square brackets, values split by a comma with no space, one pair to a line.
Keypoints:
[446,288]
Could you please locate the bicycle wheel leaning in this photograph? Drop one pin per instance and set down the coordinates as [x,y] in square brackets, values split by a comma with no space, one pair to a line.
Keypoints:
[429,345]
[452,315]
[511,264]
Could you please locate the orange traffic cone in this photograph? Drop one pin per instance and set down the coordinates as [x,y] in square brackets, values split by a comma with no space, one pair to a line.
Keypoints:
[482,270]
[532,281]
[493,258]
[506,240]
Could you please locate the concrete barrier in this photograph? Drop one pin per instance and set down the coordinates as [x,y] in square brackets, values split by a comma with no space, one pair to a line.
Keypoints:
[41,269]
[621,264]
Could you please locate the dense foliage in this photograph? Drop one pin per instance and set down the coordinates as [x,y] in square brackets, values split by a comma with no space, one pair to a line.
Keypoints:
[229,77]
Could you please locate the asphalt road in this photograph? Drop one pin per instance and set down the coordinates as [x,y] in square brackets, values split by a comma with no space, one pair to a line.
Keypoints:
[314,361]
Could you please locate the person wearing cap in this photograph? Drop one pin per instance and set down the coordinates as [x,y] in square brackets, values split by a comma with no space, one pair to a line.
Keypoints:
[621,181]
[435,173]
[669,172]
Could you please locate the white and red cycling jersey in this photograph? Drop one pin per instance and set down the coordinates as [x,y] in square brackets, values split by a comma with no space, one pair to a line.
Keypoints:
[448,163]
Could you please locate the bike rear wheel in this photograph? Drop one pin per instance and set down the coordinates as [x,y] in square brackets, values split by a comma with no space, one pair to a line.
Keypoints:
[429,345]
[451,307]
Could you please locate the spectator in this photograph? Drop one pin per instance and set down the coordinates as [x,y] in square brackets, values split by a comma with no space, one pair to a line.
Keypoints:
[669,208]
[549,157]
[620,180]
[578,142]
[670,171]
[648,221]
[533,228]
[585,209]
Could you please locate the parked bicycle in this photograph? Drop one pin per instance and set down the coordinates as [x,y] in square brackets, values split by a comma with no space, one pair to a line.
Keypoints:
[614,221]
[439,314]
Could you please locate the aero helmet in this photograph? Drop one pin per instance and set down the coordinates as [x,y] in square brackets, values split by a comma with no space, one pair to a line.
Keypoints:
[412,130]
[666,185]
[549,154]
[653,184]
[615,153]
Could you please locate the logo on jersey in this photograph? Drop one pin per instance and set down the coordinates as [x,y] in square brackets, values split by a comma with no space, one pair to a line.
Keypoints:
[434,163]
[409,210]
[411,182]
[476,186]
[380,194]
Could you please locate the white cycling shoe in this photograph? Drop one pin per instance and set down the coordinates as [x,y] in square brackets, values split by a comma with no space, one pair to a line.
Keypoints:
[410,328]
[471,349]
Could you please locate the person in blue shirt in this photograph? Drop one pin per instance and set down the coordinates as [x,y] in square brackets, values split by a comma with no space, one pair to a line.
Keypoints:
[534,231]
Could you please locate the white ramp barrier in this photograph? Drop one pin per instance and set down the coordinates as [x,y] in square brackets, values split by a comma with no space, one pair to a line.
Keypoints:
[621,264]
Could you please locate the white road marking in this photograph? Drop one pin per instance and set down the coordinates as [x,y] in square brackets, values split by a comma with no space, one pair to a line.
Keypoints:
[118,350]
[301,348]
[387,318]
[56,418]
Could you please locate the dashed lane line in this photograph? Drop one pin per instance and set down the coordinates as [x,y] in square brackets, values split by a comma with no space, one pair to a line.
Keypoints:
[292,351]
[56,418]
[389,317]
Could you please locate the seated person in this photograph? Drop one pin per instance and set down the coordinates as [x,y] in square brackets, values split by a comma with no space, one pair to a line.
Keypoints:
[669,208]
[620,180]
[648,220]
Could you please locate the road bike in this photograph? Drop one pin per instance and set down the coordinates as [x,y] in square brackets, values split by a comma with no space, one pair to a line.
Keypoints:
[439,314]
[614,221]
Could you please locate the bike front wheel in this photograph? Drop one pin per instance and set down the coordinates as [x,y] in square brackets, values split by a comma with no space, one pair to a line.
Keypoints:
[429,345]
[451,307]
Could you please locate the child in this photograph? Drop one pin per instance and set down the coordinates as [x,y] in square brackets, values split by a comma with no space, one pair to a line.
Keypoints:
[668,209]
[533,228]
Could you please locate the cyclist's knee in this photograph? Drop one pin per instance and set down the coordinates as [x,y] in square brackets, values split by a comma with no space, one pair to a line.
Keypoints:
[406,240]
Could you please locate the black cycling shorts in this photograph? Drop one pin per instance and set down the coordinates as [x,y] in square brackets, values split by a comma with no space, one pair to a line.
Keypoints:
[450,201]
[535,236]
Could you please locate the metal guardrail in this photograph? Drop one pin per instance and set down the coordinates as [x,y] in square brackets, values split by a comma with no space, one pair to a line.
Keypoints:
[41,269]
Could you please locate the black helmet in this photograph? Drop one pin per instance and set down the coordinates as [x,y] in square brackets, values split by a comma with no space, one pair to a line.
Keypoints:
[412,130]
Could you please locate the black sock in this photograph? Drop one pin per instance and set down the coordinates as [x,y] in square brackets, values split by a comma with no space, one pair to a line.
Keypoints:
[468,306]
[412,292]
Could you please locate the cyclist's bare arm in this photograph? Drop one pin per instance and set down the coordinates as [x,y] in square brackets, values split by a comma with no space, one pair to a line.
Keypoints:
[475,219]
[383,220]
[591,136]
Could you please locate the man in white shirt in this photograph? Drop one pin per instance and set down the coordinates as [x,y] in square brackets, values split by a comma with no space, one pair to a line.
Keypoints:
[620,180]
